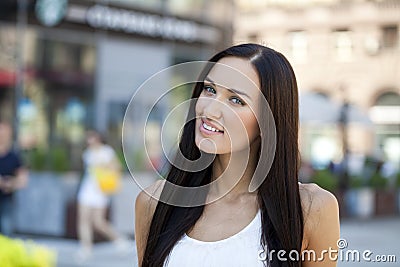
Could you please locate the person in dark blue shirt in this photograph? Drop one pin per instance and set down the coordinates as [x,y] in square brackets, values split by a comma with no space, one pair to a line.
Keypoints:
[13,176]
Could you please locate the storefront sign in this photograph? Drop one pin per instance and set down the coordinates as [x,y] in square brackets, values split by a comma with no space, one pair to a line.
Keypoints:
[141,23]
[135,22]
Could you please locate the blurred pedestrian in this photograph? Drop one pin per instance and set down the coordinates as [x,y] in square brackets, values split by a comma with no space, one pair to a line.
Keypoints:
[13,176]
[92,201]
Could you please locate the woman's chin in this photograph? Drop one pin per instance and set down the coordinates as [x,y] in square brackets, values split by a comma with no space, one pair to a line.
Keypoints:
[207,149]
[206,145]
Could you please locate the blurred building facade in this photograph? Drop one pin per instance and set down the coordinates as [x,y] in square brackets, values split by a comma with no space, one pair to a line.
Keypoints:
[343,50]
[74,65]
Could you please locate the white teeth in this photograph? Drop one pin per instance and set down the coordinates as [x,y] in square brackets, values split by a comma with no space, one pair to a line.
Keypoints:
[208,127]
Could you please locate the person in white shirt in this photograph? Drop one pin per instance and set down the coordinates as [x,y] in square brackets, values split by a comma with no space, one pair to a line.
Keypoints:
[92,202]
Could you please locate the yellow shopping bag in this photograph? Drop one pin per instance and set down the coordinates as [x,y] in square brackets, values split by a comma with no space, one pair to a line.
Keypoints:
[108,180]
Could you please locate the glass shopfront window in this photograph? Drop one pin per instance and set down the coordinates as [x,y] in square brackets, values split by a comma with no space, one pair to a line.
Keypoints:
[386,115]
[8,43]
[57,104]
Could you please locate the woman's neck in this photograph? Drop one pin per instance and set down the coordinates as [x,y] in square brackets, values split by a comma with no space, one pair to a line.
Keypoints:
[95,146]
[233,173]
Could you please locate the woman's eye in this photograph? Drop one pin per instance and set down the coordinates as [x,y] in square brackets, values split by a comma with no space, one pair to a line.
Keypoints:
[209,89]
[238,101]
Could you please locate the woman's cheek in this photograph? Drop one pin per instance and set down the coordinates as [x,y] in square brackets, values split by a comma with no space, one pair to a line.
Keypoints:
[199,105]
[244,132]
[252,128]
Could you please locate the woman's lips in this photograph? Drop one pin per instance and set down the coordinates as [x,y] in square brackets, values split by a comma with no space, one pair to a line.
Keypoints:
[210,123]
[209,132]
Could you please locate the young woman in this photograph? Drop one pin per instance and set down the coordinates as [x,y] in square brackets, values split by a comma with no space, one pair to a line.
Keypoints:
[236,226]
[92,202]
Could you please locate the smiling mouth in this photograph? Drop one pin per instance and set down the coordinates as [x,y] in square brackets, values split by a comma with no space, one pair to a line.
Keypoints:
[209,127]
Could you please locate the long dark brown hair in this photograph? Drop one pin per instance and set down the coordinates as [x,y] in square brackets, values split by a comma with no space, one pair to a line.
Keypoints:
[278,195]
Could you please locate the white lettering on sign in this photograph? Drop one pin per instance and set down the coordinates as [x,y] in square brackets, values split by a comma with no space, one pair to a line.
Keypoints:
[147,24]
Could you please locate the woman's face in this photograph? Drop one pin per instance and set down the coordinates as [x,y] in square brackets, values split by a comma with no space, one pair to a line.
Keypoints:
[225,108]
[92,138]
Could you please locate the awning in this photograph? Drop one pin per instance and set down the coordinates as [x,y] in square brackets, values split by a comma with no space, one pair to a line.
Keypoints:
[7,78]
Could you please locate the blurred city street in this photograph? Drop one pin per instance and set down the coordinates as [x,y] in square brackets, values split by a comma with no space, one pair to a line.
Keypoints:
[91,90]
[379,235]
[104,254]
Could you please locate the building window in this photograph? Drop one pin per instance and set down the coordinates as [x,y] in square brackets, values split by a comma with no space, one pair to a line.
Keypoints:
[253,37]
[385,113]
[390,36]
[343,45]
[57,104]
[386,109]
[186,8]
[298,45]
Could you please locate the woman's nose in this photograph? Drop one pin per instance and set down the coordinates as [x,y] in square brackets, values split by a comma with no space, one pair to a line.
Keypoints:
[213,108]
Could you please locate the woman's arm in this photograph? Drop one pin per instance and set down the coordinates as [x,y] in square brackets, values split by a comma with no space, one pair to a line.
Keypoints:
[145,206]
[114,162]
[324,230]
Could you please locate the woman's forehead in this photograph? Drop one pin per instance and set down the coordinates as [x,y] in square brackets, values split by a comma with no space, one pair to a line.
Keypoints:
[236,73]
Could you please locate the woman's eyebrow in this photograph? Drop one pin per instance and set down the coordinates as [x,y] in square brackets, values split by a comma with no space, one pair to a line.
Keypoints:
[229,89]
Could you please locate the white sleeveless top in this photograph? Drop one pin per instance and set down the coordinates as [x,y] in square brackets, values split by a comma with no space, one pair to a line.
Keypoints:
[240,250]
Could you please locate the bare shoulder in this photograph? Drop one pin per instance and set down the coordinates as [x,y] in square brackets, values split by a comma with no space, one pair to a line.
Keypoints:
[145,206]
[315,197]
[147,199]
[316,200]
[319,207]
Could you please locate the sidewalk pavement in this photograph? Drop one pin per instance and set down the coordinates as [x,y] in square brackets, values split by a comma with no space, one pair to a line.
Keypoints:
[105,254]
[379,235]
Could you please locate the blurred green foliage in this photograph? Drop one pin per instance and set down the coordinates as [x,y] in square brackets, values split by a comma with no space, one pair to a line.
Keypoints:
[325,179]
[139,160]
[54,159]
[121,158]
[356,182]
[377,181]
[397,181]
[16,253]
[59,159]
[37,159]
